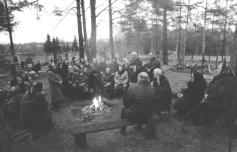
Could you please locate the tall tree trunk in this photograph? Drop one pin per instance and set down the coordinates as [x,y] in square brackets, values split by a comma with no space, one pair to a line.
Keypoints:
[194,41]
[9,28]
[224,34]
[179,37]
[165,41]
[233,53]
[212,29]
[186,32]
[80,35]
[93,28]
[85,30]
[204,37]
[111,40]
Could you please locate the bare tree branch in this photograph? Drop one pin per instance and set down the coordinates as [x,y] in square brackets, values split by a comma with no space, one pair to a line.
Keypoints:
[105,8]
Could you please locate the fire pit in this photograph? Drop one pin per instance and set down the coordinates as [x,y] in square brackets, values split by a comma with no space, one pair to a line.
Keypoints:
[98,107]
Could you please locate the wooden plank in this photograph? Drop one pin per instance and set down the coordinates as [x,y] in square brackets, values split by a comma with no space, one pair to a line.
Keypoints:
[96,127]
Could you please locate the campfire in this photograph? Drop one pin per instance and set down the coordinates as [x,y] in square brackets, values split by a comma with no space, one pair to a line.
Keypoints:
[97,105]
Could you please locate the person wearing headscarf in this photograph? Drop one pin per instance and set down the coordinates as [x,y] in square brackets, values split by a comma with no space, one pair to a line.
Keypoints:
[163,92]
[138,102]
[121,79]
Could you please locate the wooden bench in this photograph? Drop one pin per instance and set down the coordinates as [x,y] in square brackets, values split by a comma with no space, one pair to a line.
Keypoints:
[79,132]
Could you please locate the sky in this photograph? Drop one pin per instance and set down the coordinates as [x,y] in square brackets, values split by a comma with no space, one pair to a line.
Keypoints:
[31,29]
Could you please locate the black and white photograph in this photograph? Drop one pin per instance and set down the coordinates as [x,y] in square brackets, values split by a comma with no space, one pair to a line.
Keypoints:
[118,75]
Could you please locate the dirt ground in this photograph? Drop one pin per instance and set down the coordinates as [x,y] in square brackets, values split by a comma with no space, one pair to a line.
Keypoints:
[172,135]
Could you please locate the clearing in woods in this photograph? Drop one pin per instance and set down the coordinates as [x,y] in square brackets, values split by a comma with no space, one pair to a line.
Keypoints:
[172,136]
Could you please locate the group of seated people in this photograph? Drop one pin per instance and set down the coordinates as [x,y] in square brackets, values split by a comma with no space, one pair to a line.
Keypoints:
[80,79]
[207,104]
[24,104]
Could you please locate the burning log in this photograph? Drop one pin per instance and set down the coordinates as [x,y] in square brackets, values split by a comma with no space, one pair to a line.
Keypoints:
[97,105]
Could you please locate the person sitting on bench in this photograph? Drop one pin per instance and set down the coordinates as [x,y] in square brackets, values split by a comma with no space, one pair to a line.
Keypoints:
[217,101]
[34,113]
[108,82]
[191,96]
[163,92]
[138,102]
[121,79]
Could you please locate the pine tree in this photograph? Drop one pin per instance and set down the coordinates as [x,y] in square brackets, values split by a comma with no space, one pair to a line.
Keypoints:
[75,45]
[48,45]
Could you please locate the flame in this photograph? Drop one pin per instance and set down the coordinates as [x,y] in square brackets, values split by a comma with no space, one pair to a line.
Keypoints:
[97,104]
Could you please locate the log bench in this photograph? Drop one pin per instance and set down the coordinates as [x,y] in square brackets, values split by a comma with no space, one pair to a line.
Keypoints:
[80,132]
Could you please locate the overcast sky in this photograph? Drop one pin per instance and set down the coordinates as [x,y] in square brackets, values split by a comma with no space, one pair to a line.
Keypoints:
[32,30]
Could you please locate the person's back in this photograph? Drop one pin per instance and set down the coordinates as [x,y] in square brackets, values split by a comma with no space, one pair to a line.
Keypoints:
[34,110]
[220,95]
[139,99]
[163,94]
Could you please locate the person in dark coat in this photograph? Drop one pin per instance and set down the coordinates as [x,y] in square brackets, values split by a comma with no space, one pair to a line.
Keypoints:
[37,67]
[151,65]
[192,95]
[163,92]
[133,73]
[136,61]
[82,84]
[108,82]
[138,102]
[34,112]
[218,100]
[95,83]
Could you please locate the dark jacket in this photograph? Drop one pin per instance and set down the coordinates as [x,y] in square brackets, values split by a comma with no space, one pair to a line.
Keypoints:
[139,99]
[107,78]
[34,110]
[163,94]
[220,93]
[196,89]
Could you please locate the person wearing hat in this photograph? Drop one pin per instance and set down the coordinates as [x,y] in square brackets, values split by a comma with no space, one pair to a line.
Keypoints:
[163,92]
[138,102]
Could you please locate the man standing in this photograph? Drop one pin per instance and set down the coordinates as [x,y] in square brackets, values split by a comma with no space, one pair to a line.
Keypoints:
[138,101]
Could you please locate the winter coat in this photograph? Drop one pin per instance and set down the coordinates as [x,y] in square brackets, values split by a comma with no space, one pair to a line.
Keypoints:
[163,94]
[221,93]
[121,78]
[34,110]
[139,99]
[54,81]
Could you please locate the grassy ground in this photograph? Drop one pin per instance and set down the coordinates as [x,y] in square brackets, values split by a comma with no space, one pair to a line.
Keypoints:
[172,136]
